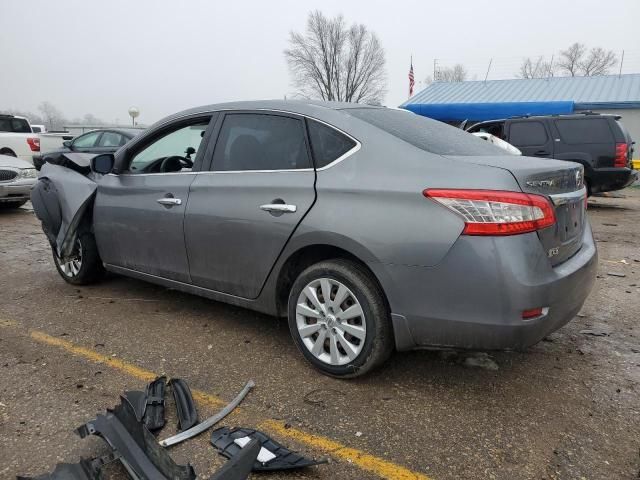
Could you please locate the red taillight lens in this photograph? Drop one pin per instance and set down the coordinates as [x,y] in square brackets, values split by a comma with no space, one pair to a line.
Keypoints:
[496,212]
[34,144]
[621,155]
[532,313]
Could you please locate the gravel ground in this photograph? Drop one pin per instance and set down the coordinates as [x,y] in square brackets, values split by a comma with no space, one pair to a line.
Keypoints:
[568,408]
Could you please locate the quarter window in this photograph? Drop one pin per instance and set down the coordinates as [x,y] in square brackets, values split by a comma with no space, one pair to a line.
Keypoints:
[250,141]
[527,134]
[327,144]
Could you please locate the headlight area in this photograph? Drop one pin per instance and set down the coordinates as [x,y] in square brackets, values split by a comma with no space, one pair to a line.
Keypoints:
[27,173]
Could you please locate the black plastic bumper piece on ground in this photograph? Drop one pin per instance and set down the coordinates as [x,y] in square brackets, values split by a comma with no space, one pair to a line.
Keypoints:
[83,470]
[154,413]
[149,405]
[223,439]
[240,466]
[135,445]
[185,406]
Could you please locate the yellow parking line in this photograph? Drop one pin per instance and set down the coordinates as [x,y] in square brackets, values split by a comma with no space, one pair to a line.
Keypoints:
[365,461]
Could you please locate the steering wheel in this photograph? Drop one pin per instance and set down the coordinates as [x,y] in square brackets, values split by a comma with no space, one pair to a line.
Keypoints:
[175,160]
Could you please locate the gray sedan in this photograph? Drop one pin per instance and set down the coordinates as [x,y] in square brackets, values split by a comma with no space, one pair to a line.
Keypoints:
[371,229]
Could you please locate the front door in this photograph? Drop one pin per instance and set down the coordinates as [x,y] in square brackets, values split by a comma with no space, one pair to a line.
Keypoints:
[139,213]
[242,212]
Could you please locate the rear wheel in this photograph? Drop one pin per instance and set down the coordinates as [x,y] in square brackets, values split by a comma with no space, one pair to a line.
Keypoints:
[339,319]
[84,265]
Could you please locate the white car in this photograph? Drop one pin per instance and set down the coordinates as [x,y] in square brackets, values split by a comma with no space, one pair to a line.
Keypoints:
[498,142]
[19,139]
[17,176]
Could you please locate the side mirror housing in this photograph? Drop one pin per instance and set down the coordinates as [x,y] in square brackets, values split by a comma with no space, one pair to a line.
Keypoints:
[67,144]
[103,164]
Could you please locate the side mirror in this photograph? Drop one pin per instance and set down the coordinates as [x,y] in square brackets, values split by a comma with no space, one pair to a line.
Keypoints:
[67,144]
[103,164]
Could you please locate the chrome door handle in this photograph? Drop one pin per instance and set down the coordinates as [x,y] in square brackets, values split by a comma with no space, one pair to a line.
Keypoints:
[278,207]
[169,201]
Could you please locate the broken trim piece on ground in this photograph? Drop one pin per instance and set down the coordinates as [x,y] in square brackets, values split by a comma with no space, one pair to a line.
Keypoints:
[185,406]
[272,456]
[211,421]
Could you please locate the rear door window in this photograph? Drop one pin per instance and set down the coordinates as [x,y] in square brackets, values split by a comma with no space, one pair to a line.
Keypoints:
[251,141]
[584,130]
[327,144]
[111,139]
[527,134]
[14,125]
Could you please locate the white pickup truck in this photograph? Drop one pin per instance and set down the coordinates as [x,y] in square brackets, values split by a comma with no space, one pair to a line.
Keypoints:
[17,138]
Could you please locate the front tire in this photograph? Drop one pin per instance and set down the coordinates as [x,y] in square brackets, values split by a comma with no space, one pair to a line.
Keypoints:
[84,266]
[339,319]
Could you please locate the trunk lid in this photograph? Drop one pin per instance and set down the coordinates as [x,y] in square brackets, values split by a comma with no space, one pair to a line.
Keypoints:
[563,183]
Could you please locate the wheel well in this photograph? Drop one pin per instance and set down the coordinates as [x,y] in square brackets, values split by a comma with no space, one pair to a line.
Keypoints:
[305,257]
[7,151]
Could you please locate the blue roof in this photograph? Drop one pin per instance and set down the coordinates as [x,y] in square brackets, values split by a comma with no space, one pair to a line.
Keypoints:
[600,89]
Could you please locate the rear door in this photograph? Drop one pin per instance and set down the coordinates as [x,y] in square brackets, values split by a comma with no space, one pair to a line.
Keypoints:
[242,212]
[531,137]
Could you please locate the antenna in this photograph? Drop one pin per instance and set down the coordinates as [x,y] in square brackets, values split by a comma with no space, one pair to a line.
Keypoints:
[488,68]
[621,62]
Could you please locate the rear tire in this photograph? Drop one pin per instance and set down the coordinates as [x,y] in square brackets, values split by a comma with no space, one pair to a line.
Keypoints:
[328,334]
[85,266]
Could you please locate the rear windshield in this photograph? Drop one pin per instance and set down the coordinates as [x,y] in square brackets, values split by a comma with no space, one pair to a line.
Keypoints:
[425,133]
[14,125]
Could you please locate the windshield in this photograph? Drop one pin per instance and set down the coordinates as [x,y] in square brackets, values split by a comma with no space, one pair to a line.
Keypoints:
[427,134]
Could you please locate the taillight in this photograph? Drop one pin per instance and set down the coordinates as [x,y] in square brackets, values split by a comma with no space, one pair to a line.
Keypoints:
[496,212]
[34,144]
[621,155]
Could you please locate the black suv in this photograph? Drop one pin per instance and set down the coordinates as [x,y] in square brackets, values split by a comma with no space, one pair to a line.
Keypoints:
[599,142]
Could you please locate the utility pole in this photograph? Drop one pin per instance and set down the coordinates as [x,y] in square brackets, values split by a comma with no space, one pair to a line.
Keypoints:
[621,62]
[435,69]
[550,72]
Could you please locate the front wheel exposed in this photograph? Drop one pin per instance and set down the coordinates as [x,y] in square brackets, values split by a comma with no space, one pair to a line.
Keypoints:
[84,265]
[339,319]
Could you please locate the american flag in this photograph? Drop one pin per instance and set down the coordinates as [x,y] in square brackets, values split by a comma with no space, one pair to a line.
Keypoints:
[411,79]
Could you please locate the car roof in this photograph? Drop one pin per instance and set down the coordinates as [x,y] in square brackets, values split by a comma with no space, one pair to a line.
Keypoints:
[302,107]
[127,132]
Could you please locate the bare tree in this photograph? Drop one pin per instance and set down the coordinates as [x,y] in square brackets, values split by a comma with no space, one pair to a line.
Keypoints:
[571,58]
[598,62]
[51,115]
[334,62]
[538,68]
[457,73]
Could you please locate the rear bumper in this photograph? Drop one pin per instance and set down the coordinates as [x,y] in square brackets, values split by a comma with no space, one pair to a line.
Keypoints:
[475,297]
[16,191]
[610,179]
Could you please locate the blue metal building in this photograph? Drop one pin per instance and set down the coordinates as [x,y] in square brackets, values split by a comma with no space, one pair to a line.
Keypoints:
[496,99]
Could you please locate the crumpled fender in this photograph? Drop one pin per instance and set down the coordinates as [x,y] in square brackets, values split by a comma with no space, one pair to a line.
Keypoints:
[74,194]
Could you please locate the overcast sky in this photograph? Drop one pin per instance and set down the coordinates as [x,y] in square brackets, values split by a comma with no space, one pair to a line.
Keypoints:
[165,56]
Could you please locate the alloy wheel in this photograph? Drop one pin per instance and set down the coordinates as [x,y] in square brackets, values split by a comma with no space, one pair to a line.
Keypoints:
[72,267]
[330,321]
